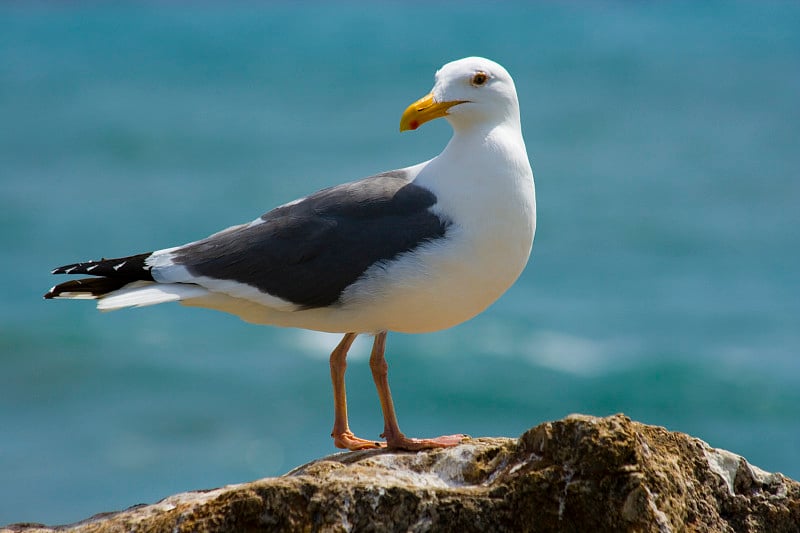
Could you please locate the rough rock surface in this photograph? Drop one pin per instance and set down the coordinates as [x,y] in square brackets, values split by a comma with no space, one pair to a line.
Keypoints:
[577,474]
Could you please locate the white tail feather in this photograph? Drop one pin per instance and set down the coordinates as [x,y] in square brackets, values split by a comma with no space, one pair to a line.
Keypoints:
[74,295]
[142,293]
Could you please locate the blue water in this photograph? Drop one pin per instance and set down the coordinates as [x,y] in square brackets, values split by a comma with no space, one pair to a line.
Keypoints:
[665,139]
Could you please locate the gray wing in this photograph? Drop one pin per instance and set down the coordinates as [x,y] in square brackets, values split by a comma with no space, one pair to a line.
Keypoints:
[309,251]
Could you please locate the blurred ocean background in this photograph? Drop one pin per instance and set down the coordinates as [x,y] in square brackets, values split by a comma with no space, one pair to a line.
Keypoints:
[665,140]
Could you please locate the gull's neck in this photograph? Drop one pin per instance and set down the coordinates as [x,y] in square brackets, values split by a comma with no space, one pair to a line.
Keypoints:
[484,185]
[490,157]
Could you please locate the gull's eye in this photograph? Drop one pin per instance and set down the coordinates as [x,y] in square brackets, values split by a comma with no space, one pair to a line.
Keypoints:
[479,78]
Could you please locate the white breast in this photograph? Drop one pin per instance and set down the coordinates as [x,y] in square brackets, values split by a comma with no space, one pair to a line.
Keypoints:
[491,204]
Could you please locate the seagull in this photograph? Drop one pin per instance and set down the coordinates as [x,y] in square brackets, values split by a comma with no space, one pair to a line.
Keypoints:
[413,250]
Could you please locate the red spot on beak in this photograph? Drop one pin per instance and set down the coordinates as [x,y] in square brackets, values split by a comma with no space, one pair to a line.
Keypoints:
[414,125]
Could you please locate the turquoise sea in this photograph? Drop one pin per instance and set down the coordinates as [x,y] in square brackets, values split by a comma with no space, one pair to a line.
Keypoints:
[665,140]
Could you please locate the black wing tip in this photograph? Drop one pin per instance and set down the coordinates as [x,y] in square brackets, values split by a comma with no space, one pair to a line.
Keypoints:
[133,267]
[55,291]
[81,267]
[86,287]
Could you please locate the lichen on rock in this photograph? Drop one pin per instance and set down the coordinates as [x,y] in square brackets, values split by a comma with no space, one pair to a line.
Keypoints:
[581,473]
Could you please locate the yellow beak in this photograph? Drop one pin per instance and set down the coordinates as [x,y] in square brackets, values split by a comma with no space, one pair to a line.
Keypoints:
[423,110]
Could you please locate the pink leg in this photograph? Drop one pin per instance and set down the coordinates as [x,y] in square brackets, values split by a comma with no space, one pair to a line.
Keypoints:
[342,436]
[391,430]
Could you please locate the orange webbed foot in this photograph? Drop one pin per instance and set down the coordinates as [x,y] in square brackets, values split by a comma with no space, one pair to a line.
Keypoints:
[401,442]
[347,441]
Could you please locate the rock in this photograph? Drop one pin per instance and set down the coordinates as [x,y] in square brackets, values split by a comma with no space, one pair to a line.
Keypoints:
[577,474]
